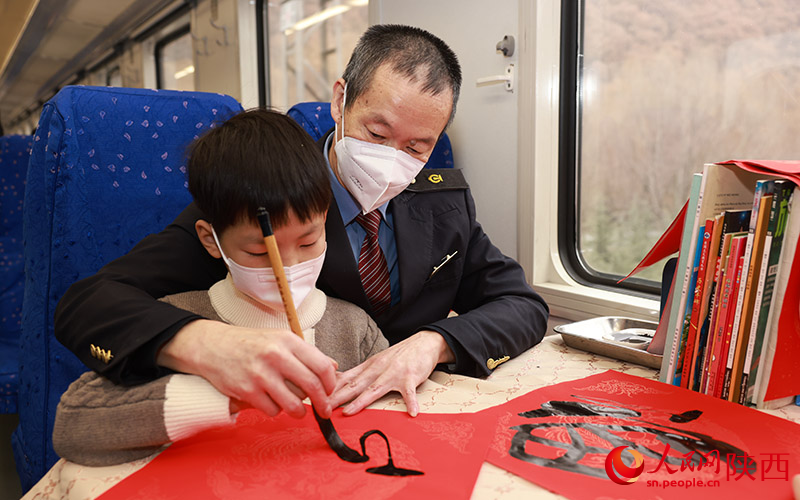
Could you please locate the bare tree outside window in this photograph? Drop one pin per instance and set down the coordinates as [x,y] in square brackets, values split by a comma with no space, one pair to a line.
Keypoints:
[668,86]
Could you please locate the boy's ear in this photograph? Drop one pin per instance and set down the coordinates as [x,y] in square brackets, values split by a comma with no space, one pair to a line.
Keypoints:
[206,237]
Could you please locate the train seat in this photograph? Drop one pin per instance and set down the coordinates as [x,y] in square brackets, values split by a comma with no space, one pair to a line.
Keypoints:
[15,150]
[315,118]
[107,169]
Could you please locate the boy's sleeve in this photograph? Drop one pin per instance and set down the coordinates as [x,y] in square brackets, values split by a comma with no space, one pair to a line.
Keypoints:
[373,341]
[99,423]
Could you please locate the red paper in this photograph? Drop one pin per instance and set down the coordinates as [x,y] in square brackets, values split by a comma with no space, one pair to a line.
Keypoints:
[262,457]
[784,169]
[641,411]
[784,377]
[668,244]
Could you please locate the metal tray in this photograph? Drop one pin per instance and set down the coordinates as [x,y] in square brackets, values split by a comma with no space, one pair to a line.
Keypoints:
[625,339]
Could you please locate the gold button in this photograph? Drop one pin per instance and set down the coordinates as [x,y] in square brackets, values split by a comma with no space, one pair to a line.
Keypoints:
[492,364]
[103,355]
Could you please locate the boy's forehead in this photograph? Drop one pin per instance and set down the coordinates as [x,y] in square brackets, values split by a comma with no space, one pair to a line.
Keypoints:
[246,227]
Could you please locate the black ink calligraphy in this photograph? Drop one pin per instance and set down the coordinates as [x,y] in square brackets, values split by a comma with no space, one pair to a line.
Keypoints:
[571,453]
[350,455]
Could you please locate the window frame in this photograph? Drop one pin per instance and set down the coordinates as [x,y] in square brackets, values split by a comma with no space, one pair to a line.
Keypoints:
[159,49]
[569,151]
[538,172]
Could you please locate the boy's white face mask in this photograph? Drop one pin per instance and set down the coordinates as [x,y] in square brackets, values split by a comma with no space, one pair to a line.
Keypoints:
[372,173]
[260,284]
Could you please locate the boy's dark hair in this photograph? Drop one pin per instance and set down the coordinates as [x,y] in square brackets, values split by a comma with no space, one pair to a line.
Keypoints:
[408,50]
[258,158]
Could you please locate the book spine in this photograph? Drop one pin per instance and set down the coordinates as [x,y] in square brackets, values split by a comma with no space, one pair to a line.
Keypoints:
[716,302]
[726,363]
[780,367]
[740,292]
[719,329]
[711,342]
[750,291]
[686,325]
[775,231]
[684,270]
[690,353]
[706,304]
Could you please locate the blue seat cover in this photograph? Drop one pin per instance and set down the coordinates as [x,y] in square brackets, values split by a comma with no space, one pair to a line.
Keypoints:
[107,169]
[15,150]
[315,118]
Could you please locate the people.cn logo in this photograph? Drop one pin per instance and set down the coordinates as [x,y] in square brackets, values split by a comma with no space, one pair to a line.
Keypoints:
[619,472]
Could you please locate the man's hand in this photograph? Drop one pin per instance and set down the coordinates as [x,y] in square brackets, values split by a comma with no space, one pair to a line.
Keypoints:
[402,367]
[272,370]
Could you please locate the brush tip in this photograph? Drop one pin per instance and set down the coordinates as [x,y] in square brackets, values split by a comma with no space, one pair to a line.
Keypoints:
[263,220]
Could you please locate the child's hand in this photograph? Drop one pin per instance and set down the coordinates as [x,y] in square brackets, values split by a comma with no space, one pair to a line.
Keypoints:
[237,405]
[271,370]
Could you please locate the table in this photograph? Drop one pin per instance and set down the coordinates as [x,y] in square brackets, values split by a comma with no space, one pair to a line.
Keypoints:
[550,362]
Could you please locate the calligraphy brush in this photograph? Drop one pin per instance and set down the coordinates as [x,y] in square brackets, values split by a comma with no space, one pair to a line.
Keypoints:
[326,426]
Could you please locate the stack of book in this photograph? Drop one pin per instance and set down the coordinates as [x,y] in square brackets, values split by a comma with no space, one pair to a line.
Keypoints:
[725,319]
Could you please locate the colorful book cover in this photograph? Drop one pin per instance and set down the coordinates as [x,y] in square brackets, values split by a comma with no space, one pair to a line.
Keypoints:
[734,222]
[706,303]
[723,377]
[781,360]
[724,318]
[691,339]
[743,341]
[722,187]
[719,283]
[715,331]
[771,257]
[743,302]
[676,380]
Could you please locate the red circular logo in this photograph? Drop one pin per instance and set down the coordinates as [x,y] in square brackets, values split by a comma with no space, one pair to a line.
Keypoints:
[619,472]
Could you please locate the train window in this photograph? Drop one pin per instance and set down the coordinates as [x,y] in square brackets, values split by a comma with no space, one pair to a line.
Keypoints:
[657,89]
[114,77]
[174,63]
[310,42]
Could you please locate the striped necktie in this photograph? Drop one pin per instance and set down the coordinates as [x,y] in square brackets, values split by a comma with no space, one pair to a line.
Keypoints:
[372,264]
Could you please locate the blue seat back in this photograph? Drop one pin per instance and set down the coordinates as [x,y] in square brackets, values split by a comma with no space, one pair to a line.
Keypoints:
[107,169]
[15,150]
[315,118]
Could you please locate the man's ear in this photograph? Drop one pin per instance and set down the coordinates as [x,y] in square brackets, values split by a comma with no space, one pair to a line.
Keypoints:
[206,237]
[337,100]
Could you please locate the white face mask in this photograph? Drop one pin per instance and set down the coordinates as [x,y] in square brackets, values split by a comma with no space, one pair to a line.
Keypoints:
[260,284]
[372,173]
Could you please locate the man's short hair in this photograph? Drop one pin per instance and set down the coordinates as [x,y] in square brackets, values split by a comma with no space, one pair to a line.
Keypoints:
[258,158]
[409,50]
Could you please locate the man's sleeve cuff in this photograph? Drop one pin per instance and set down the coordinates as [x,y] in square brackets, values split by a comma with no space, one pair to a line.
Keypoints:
[461,355]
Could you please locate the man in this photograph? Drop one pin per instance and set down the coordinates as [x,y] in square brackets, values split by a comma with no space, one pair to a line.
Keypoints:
[407,256]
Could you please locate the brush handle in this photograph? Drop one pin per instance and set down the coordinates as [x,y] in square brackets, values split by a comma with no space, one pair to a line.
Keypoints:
[283,285]
[277,267]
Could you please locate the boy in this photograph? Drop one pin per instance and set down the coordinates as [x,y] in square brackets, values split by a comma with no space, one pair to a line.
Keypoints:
[257,158]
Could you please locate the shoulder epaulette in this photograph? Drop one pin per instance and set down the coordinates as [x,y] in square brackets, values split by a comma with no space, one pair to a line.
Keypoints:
[438,179]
